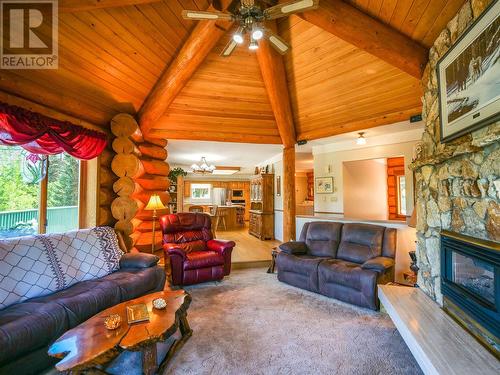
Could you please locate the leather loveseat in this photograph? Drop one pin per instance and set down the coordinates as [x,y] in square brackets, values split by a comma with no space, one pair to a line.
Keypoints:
[342,261]
[29,325]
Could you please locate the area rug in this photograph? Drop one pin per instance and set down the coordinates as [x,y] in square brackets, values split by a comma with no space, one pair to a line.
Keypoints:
[250,323]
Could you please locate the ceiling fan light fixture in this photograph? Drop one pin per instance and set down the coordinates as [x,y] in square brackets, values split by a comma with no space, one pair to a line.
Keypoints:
[253,45]
[257,32]
[238,36]
[361,139]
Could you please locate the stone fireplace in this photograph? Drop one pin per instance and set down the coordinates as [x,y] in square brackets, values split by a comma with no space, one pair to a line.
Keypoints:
[457,183]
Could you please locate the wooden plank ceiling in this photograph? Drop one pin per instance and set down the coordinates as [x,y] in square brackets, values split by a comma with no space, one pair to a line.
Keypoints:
[111,58]
[224,100]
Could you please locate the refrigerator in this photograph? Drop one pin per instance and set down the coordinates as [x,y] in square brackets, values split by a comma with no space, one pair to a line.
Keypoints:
[219,196]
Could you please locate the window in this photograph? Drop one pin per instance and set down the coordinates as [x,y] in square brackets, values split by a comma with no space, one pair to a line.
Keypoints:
[201,191]
[34,201]
[402,195]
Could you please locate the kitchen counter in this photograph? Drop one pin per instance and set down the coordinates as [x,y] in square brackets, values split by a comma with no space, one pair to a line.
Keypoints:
[231,217]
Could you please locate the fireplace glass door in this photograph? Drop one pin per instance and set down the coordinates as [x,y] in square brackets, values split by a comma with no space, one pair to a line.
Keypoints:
[474,275]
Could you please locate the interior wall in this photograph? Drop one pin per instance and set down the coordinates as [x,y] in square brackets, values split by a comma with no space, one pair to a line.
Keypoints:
[330,163]
[365,189]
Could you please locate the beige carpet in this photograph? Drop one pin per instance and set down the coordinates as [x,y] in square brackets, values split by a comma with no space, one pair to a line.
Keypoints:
[252,324]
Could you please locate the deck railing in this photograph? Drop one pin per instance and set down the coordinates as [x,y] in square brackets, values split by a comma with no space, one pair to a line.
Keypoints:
[59,219]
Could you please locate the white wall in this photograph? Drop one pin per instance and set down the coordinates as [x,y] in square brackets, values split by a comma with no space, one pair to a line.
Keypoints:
[365,189]
[328,162]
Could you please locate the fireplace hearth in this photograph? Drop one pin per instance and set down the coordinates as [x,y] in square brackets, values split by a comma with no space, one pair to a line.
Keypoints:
[470,283]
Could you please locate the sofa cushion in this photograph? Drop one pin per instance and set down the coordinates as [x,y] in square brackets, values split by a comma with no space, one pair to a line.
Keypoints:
[84,299]
[187,247]
[134,282]
[360,242]
[34,266]
[343,273]
[203,259]
[322,238]
[27,326]
[299,270]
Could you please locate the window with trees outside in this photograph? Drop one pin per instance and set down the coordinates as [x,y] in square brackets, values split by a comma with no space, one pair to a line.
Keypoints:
[37,194]
[200,191]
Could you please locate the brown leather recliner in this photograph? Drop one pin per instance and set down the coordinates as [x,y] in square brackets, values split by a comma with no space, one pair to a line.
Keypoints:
[342,261]
[195,257]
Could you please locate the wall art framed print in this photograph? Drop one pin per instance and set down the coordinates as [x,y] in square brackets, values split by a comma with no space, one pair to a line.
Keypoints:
[324,185]
[469,78]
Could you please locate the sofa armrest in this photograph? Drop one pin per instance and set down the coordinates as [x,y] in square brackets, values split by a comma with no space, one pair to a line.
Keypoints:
[176,252]
[294,248]
[138,260]
[380,264]
[220,245]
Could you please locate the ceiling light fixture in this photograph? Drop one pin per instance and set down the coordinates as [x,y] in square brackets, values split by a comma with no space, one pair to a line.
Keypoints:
[361,139]
[253,44]
[257,32]
[203,168]
[238,36]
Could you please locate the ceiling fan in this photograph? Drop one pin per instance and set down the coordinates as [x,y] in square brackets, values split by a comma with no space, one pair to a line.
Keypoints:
[250,16]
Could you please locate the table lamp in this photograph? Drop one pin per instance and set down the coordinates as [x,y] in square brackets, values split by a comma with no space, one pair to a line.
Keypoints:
[154,204]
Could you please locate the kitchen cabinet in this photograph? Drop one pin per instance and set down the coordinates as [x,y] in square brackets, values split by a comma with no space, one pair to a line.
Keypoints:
[261,224]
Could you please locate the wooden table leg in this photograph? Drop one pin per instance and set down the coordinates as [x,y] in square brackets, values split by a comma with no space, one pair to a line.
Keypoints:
[273,261]
[149,360]
[186,333]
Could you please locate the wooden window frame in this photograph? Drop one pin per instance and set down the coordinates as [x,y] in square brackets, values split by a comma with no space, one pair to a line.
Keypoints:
[44,194]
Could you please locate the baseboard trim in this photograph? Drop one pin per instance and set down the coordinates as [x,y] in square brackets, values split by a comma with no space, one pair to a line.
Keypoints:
[254,264]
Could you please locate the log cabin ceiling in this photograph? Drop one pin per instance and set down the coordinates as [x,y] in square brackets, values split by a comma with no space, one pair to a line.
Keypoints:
[110,59]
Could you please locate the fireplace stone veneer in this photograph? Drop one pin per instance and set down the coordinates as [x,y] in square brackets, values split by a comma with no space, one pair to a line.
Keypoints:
[470,283]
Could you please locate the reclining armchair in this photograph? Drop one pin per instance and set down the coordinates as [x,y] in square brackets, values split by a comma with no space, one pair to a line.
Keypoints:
[195,257]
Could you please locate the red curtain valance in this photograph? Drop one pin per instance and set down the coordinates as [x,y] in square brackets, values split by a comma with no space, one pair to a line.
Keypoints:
[42,135]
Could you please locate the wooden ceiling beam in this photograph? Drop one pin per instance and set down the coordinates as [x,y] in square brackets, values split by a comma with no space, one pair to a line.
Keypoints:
[359,125]
[47,111]
[214,136]
[71,6]
[370,35]
[273,72]
[201,41]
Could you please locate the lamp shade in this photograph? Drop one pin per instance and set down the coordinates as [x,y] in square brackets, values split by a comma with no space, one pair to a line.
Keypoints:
[154,203]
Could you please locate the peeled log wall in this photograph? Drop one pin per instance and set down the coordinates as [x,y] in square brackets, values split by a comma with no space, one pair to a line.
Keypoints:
[106,194]
[141,171]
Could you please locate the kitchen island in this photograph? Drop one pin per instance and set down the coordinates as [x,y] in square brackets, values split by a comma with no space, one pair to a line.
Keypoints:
[234,216]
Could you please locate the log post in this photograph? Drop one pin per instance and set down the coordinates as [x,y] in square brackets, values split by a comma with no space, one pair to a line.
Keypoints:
[288,194]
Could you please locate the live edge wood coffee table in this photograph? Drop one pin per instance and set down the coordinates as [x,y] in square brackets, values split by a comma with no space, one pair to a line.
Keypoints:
[88,347]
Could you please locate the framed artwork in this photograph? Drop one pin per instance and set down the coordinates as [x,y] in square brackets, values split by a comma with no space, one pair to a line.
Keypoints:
[278,186]
[469,78]
[324,185]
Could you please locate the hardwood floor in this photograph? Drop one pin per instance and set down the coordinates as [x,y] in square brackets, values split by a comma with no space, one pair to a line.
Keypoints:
[248,248]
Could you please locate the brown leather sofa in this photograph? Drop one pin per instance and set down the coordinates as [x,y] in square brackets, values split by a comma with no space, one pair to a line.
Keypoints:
[28,328]
[342,261]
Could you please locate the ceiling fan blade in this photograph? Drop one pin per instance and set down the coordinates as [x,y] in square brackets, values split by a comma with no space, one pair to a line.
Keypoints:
[202,15]
[282,10]
[229,48]
[278,43]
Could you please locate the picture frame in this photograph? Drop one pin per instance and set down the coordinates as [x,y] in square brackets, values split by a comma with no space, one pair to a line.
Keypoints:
[323,185]
[468,78]
[278,186]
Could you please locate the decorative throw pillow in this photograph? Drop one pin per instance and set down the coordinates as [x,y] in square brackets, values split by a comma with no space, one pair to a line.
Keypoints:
[35,266]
